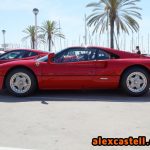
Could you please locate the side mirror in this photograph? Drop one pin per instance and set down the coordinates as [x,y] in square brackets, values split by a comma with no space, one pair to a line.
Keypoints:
[50,56]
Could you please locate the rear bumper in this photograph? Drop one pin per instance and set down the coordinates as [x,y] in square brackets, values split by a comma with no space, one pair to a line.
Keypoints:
[1,82]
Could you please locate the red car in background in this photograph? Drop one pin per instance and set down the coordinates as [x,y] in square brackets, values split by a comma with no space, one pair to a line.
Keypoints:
[78,68]
[21,54]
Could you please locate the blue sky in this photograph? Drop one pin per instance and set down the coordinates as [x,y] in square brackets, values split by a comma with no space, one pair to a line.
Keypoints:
[16,15]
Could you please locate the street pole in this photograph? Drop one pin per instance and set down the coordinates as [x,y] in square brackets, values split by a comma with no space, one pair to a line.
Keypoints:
[35,11]
[148,43]
[60,37]
[85,42]
[4,44]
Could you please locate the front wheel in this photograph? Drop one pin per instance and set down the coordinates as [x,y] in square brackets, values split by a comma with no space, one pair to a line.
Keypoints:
[21,82]
[135,82]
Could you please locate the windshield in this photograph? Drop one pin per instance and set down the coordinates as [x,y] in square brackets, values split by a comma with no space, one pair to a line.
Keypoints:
[43,59]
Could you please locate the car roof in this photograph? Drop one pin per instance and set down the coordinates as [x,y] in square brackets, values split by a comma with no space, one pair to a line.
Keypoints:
[33,50]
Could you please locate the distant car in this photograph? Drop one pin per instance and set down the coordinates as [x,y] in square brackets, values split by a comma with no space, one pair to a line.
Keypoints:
[21,54]
[78,68]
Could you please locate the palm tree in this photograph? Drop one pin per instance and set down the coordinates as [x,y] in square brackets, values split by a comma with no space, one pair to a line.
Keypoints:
[30,31]
[50,30]
[114,14]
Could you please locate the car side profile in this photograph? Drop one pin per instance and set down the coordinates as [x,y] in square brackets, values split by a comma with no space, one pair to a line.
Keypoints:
[21,54]
[78,68]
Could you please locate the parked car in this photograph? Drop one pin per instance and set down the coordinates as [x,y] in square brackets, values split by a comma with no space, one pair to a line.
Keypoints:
[19,54]
[78,68]
[2,52]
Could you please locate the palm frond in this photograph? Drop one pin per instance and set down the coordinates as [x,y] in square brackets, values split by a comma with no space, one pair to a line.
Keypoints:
[124,13]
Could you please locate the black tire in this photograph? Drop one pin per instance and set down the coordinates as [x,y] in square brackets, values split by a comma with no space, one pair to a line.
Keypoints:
[126,87]
[33,82]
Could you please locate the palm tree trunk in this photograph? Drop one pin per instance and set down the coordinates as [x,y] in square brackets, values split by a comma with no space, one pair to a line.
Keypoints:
[32,43]
[112,33]
[49,44]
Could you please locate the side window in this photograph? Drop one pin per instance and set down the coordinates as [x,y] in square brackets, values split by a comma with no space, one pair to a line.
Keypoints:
[30,54]
[59,57]
[101,55]
[12,55]
[75,55]
[91,53]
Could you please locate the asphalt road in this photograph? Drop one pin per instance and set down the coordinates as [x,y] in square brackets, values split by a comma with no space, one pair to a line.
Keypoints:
[96,95]
[68,120]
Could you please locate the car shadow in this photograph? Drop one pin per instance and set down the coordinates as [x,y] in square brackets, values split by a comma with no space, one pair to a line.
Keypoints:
[72,95]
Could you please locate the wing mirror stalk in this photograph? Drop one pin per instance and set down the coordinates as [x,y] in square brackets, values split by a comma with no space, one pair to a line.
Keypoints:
[50,57]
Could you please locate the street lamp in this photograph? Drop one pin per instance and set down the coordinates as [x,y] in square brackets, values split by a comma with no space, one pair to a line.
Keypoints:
[35,11]
[4,44]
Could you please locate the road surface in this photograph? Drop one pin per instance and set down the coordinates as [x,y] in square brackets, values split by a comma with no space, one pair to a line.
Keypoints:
[68,120]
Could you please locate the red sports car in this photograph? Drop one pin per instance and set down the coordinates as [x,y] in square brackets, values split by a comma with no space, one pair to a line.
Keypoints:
[78,68]
[21,54]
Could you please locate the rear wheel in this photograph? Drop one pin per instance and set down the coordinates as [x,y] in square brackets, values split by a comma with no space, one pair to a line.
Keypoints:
[21,82]
[135,81]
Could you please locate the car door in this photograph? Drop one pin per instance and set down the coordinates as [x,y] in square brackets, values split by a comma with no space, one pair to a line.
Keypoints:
[105,73]
[73,68]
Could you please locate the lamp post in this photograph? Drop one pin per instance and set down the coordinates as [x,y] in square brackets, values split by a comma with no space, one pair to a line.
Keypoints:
[4,44]
[35,11]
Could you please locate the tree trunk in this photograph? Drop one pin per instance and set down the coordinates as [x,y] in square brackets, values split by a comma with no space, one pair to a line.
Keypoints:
[112,33]
[49,44]
[33,44]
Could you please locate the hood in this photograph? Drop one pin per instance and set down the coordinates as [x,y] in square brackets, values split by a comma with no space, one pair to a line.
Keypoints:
[20,62]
